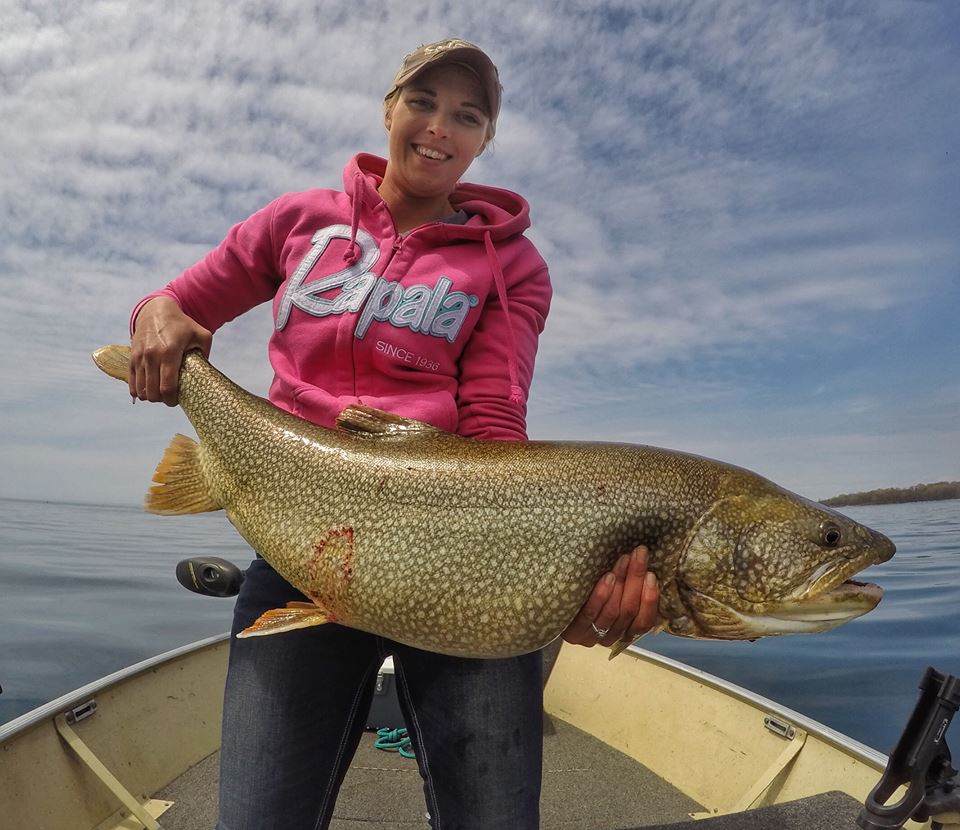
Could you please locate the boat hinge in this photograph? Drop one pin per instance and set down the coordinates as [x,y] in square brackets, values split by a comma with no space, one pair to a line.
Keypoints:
[63,723]
[797,738]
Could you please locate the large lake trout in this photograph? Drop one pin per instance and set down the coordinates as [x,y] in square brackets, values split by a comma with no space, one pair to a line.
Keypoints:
[489,548]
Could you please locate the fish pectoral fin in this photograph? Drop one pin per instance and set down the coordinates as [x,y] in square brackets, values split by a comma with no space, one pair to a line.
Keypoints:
[295,615]
[622,645]
[367,422]
[181,485]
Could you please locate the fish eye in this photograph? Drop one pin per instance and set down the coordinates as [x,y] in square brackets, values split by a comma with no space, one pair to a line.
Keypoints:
[830,534]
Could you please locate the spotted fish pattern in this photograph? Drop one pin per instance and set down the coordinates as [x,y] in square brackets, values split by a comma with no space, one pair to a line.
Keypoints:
[489,548]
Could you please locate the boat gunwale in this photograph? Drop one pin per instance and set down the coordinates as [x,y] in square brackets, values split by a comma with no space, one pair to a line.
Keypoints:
[829,735]
[826,733]
[46,711]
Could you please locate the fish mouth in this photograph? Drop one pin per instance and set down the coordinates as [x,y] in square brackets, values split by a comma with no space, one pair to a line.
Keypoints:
[811,613]
[832,582]
[829,608]
[830,597]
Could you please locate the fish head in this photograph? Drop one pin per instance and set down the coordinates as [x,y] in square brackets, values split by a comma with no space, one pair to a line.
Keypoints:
[758,566]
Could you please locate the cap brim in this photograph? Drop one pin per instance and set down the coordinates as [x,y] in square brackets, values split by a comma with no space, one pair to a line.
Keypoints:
[475,59]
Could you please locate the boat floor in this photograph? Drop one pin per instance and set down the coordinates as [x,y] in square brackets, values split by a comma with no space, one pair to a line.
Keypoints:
[587,785]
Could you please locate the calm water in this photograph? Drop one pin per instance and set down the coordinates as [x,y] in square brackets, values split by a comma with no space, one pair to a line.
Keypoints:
[85,591]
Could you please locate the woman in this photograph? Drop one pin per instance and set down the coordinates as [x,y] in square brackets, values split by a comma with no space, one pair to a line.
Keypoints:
[410,292]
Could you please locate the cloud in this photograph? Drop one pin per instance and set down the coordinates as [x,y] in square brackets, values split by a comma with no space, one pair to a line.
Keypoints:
[728,194]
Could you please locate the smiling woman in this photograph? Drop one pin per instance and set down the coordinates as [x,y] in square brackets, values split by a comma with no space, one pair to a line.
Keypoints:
[438,125]
[415,293]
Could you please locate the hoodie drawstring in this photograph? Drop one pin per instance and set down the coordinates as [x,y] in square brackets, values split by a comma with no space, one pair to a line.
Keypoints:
[516,393]
[353,252]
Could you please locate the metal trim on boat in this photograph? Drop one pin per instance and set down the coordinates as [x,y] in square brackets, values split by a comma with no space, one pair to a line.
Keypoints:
[83,693]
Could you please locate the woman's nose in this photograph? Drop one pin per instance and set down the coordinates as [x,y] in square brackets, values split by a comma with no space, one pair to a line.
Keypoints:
[439,125]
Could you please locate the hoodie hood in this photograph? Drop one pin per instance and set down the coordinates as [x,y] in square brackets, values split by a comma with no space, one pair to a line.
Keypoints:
[500,213]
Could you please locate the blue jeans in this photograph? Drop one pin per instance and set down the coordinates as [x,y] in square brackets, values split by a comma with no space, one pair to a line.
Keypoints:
[296,704]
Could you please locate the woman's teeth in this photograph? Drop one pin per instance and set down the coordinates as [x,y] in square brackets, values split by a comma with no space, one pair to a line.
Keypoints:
[431,154]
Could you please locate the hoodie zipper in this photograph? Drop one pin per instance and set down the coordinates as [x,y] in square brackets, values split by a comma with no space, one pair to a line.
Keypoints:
[395,249]
[401,239]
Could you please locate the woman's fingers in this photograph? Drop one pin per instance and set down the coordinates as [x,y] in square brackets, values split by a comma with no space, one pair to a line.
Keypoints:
[630,601]
[162,335]
[607,627]
[579,632]
[649,613]
[622,606]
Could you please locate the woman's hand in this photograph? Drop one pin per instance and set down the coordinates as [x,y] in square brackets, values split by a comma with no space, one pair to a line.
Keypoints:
[162,333]
[623,605]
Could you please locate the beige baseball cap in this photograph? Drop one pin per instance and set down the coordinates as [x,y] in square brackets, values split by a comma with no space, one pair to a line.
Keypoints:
[453,50]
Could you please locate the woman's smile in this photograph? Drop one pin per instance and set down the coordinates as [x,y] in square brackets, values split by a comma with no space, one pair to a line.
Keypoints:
[427,152]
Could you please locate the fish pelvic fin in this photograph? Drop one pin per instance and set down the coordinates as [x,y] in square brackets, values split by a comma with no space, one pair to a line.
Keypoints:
[114,360]
[181,485]
[295,615]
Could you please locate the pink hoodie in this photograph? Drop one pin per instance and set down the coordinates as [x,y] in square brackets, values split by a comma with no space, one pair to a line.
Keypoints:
[440,324]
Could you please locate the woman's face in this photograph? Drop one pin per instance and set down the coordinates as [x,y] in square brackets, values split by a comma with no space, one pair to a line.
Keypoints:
[437,127]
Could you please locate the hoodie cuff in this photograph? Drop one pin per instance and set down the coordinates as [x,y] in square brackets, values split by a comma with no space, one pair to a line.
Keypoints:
[139,306]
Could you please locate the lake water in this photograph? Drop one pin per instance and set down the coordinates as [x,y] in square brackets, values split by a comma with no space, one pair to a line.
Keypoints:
[86,590]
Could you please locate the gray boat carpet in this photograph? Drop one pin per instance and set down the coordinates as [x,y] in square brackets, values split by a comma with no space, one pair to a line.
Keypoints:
[830,811]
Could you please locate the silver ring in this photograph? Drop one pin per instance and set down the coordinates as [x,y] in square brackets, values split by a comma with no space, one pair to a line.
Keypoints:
[600,632]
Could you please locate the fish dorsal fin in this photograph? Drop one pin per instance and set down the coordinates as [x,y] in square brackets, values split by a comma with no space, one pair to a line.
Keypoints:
[367,422]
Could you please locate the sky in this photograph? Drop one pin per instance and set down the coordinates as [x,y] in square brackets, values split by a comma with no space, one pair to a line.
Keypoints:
[751,213]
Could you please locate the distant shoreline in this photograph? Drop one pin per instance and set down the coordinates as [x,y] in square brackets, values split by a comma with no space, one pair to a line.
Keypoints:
[939,491]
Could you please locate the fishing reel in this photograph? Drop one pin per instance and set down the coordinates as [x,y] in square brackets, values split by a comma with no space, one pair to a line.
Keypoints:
[210,576]
[921,762]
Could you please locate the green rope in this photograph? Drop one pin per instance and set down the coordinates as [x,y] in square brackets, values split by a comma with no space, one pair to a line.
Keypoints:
[394,740]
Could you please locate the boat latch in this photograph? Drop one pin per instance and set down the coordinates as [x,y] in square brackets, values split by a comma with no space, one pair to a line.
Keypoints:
[779,727]
[84,710]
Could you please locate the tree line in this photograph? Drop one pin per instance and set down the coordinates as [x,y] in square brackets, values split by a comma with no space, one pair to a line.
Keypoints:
[895,495]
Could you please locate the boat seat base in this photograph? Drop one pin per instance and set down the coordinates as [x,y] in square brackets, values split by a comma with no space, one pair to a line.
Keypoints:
[828,811]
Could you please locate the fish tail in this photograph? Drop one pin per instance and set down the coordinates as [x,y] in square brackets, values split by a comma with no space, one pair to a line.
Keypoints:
[114,360]
[181,485]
